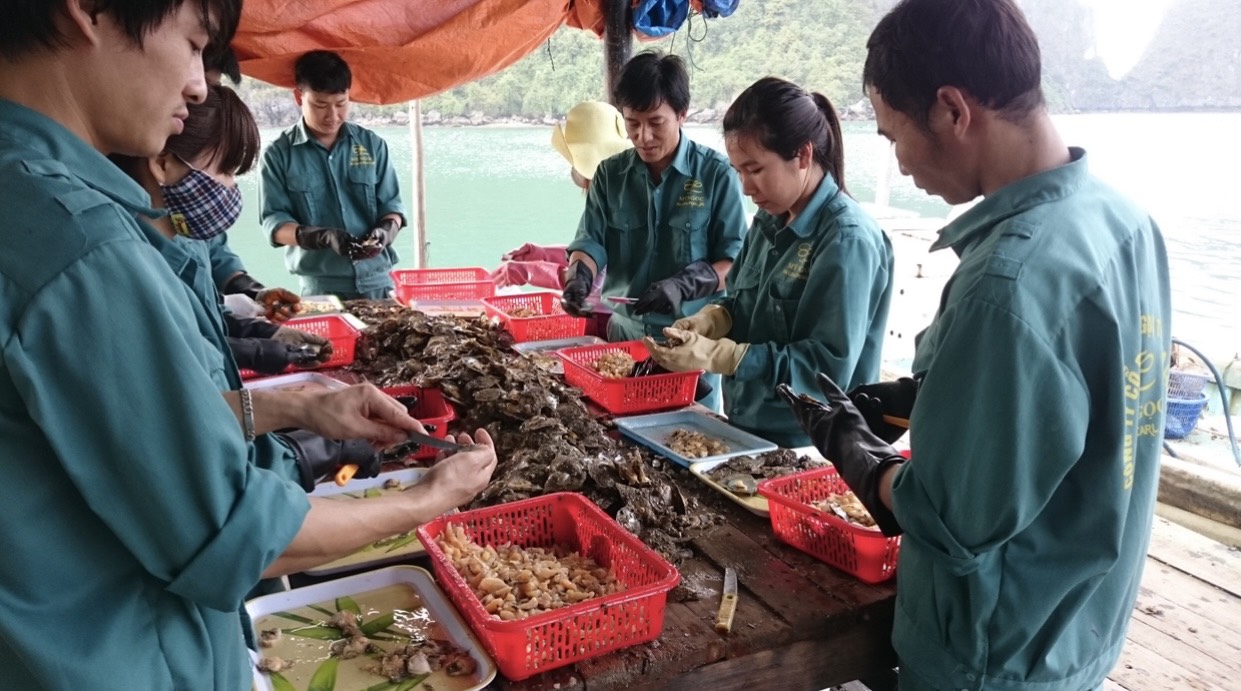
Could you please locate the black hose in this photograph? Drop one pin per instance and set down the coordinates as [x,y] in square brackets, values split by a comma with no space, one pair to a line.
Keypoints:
[1223,395]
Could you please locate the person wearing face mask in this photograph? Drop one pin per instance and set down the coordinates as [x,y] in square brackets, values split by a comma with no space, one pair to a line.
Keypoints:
[810,290]
[329,192]
[665,218]
[222,136]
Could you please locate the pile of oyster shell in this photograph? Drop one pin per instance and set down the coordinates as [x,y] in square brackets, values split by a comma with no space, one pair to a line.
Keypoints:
[546,439]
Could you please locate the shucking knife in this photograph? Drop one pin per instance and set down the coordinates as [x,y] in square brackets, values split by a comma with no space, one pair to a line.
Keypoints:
[728,603]
[395,453]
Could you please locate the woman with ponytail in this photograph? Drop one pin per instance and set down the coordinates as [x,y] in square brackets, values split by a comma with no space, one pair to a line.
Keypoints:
[810,290]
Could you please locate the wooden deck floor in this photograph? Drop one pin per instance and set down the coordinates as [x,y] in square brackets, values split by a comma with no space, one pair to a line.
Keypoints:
[1184,632]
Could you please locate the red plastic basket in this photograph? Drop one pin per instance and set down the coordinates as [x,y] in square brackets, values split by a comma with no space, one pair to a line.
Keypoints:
[631,394]
[525,647]
[335,328]
[550,321]
[431,409]
[862,552]
[468,284]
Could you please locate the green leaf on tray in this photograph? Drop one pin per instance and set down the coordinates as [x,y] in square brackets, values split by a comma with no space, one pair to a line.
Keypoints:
[403,542]
[324,678]
[411,683]
[371,492]
[378,624]
[321,633]
[279,683]
[322,610]
[344,603]
[296,617]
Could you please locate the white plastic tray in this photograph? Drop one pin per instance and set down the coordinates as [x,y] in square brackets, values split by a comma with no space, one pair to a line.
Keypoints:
[295,379]
[418,579]
[375,554]
[653,431]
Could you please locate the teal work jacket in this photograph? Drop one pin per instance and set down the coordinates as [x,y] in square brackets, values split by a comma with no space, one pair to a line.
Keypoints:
[811,296]
[351,186]
[643,232]
[1035,439]
[150,521]
[224,262]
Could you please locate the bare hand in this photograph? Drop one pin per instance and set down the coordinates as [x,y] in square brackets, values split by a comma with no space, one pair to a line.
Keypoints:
[280,304]
[457,479]
[361,411]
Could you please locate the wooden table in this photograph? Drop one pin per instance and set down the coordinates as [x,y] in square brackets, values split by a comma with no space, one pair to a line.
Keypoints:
[800,624]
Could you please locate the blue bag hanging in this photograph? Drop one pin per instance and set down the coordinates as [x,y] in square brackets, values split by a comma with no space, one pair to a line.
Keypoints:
[719,8]
[659,18]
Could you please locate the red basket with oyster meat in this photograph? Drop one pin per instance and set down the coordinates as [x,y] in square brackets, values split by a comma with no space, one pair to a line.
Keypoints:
[528,644]
[625,395]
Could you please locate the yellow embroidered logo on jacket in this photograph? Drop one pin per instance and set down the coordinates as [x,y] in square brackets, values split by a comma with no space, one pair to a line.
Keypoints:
[799,268]
[692,196]
[360,156]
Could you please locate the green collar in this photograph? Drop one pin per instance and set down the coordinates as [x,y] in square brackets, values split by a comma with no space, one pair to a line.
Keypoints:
[302,135]
[1013,199]
[679,162]
[805,223]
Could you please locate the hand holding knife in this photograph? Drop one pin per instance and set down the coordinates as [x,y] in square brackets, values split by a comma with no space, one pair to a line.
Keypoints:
[401,450]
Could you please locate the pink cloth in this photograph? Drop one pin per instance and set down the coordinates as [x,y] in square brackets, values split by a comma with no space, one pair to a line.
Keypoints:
[542,274]
[530,252]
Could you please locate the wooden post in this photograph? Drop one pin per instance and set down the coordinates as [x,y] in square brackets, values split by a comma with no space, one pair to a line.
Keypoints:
[618,44]
[418,207]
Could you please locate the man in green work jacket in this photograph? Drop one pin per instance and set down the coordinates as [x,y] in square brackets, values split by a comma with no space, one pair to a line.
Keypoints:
[1036,428]
[329,192]
[153,518]
[665,217]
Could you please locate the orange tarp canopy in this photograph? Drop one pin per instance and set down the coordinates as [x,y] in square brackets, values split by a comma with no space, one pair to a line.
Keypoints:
[400,50]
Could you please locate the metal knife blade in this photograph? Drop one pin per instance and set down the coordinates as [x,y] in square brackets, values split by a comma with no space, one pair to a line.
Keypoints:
[621,300]
[728,603]
[416,439]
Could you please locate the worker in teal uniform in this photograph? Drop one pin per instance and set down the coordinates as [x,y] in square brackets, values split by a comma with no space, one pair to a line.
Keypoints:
[1037,422]
[810,290]
[664,218]
[328,190]
[153,519]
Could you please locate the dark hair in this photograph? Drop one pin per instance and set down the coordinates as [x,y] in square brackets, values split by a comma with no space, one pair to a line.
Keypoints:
[220,57]
[782,117]
[322,71]
[31,24]
[221,126]
[984,47]
[650,79]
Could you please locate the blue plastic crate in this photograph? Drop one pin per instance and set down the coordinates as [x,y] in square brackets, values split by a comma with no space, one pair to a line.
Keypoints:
[1183,416]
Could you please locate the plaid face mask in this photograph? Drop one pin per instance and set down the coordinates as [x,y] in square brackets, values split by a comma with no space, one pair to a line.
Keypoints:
[200,207]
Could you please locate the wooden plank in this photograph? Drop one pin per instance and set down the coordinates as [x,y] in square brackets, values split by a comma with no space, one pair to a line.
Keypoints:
[1196,555]
[1208,638]
[755,627]
[1142,668]
[1206,670]
[850,652]
[778,586]
[1109,685]
[1201,598]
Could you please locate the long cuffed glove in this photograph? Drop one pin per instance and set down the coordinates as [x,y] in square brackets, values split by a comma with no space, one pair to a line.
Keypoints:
[695,281]
[712,321]
[841,434]
[892,398]
[578,280]
[318,457]
[279,304]
[320,238]
[694,352]
[304,339]
[269,356]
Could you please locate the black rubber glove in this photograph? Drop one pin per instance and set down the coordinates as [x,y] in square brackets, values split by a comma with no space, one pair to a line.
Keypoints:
[374,242]
[318,457]
[894,398]
[578,280]
[243,284]
[248,327]
[268,356]
[648,367]
[697,280]
[319,238]
[841,434]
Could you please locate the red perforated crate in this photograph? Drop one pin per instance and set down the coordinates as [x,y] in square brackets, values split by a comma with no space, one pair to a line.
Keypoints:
[467,284]
[630,394]
[525,647]
[431,409]
[547,322]
[862,552]
[335,328]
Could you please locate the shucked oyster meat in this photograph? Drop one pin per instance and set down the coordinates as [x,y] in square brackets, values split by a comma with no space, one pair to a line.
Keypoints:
[691,444]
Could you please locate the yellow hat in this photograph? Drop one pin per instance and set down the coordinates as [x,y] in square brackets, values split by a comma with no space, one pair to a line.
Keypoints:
[592,131]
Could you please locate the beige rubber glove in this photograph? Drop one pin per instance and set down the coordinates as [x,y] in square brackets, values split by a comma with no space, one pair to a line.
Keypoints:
[695,352]
[712,321]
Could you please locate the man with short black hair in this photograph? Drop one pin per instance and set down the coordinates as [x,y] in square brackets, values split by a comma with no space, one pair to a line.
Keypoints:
[665,218]
[1036,409]
[329,192]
